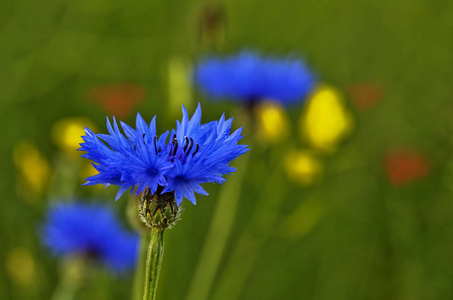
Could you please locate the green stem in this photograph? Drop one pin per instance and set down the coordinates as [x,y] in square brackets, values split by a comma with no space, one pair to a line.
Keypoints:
[249,245]
[64,291]
[73,273]
[153,263]
[137,291]
[218,234]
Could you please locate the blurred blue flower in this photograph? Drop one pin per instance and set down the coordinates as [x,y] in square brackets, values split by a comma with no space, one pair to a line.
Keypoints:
[91,230]
[249,77]
[195,153]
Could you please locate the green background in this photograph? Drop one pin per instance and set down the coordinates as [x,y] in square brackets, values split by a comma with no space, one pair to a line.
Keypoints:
[374,241]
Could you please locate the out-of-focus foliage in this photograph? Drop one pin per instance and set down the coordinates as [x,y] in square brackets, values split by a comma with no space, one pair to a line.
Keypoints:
[374,224]
[179,84]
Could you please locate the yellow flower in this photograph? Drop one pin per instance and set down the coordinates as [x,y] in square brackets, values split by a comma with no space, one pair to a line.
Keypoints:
[272,122]
[88,170]
[325,121]
[302,167]
[67,134]
[21,266]
[32,165]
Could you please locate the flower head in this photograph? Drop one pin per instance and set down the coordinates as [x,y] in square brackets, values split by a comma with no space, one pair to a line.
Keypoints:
[404,166]
[326,119]
[273,123]
[89,230]
[119,99]
[303,167]
[66,133]
[33,167]
[195,153]
[249,77]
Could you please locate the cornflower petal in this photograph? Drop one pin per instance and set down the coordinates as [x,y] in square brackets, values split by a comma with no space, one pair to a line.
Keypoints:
[249,77]
[194,154]
[89,230]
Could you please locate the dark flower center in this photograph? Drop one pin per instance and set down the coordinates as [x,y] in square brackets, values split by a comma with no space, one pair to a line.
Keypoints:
[152,172]
[182,153]
[92,253]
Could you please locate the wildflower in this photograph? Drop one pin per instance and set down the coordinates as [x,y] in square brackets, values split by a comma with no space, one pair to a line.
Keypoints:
[303,167]
[195,153]
[404,166]
[91,231]
[118,99]
[325,121]
[66,133]
[33,166]
[273,125]
[249,77]
[366,95]
[21,266]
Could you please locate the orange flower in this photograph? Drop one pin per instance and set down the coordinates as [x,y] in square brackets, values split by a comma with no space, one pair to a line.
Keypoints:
[365,95]
[118,100]
[405,166]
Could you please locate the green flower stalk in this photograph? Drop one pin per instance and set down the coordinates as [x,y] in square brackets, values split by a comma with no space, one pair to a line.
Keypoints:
[137,288]
[153,263]
[158,212]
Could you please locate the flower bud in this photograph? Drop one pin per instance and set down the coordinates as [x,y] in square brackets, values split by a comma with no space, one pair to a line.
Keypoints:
[159,210]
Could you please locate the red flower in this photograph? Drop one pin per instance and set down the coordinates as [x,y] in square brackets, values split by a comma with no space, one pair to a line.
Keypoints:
[118,100]
[405,166]
[365,95]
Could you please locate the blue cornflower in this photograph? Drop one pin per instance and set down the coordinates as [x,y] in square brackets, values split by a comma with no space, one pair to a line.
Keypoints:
[194,154]
[92,231]
[249,77]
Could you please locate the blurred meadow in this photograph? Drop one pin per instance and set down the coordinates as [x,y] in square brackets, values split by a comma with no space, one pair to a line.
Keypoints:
[348,195]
